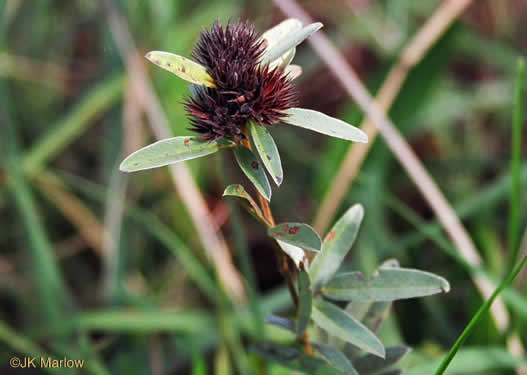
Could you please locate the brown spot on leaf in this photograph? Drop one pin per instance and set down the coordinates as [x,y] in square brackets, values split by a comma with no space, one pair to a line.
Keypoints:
[269,157]
[254,165]
[279,235]
[186,142]
[331,236]
[286,228]
[293,230]
[183,70]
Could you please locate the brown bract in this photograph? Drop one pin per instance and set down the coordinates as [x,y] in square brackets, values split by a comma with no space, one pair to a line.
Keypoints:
[245,90]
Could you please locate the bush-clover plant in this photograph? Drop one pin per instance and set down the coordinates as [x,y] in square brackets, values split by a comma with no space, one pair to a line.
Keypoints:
[242,86]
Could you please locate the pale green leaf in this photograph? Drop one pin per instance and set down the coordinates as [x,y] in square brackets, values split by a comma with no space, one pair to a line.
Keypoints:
[182,67]
[298,234]
[264,144]
[291,40]
[168,151]
[372,365]
[335,247]
[385,285]
[335,358]
[305,299]
[342,325]
[253,169]
[278,33]
[237,190]
[324,124]
[294,252]
[292,358]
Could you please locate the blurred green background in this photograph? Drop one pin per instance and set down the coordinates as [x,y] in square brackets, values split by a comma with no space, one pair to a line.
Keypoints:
[108,268]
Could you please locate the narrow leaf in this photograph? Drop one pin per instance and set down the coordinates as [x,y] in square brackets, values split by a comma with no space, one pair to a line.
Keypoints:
[294,252]
[335,247]
[298,234]
[292,39]
[264,144]
[342,325]
[371,365]
[305,299]
[182,67]
[375,315]
[281,322]
[371,314]
[168,151]
[292,358]
[237,190]
[335,358]
[385,285]
[251,166]
[321,123]
[276,34]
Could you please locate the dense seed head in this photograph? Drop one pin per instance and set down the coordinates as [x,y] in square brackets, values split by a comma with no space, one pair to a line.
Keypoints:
[245,91]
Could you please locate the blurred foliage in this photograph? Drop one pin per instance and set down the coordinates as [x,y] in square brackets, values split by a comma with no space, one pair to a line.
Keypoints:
[139,295]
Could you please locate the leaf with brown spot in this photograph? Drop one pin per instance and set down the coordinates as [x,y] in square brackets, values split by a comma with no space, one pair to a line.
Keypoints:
[168,151]
[182,67]
[239,191]
[298,234]
[250,165]
[267,150]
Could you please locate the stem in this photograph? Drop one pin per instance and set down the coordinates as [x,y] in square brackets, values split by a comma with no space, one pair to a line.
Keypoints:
[282,259]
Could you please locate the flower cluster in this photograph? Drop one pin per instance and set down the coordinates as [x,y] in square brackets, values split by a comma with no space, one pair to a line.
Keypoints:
[245,89]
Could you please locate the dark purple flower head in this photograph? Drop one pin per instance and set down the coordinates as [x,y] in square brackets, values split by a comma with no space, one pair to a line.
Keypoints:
[245,90]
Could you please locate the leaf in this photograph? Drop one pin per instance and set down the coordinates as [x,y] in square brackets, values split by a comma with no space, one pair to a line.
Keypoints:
[281,322]
[182,67]
[297,234]
[335,247]
[237,190]
[294,252]
[372,365]
[324,124]
[252,168]
[293,71]
[384,285]
[342,325]
[264,144]
[371,315]
[375,313]
[305,299]
[277,33]
[335,358]
[168,151]
[292,358]
[292,39]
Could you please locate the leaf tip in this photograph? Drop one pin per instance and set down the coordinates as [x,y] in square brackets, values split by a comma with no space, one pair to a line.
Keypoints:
[445,286]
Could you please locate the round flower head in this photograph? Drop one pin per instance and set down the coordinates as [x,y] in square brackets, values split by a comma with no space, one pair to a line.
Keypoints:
[245,90]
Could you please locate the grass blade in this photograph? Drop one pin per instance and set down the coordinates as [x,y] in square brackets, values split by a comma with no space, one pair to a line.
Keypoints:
[515,194]
[73,125]
[479,314]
